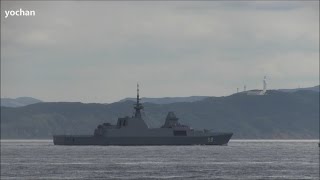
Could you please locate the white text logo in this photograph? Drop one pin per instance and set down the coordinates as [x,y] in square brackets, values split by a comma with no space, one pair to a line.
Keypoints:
[19,12]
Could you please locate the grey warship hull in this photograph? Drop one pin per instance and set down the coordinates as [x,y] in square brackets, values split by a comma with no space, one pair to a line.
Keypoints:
[214,139]
[133,131]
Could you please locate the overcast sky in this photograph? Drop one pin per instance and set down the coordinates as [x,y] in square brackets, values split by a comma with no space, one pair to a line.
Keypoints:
[98,51]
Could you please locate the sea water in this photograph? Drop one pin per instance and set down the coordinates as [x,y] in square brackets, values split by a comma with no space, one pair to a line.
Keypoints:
[241,159]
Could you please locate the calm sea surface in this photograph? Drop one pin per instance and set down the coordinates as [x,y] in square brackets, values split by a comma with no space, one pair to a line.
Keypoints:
[241,159]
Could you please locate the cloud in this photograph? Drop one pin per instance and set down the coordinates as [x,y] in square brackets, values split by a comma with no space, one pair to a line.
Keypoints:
[97,51]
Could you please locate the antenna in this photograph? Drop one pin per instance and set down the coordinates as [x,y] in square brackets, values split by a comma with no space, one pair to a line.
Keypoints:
[138,93]
[138,106]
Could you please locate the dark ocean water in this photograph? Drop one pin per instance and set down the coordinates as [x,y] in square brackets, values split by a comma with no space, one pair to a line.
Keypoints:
[40,159]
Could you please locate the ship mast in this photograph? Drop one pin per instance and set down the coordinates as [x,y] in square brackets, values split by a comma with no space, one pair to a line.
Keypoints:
[138,106]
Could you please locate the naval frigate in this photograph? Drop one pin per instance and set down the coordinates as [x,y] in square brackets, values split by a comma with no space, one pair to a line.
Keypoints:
[132,131]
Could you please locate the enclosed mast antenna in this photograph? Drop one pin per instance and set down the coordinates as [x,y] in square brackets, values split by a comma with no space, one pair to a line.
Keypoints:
[138,106]
[137,93]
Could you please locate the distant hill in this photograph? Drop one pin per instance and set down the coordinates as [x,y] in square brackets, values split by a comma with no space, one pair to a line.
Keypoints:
[168,100]
[18,102]
[315,89]
[278,115]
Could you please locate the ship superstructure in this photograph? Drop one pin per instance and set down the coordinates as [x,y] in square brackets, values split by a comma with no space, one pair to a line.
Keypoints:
[134,131]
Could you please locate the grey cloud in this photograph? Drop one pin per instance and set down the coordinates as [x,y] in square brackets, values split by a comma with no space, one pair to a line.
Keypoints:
[195,48]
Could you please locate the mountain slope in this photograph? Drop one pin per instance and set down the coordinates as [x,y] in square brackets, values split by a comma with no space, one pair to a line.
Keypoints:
[315,89]
[276,115]
[168,100]
[18,102]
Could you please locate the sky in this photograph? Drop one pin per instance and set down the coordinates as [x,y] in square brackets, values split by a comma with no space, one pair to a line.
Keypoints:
[83,51]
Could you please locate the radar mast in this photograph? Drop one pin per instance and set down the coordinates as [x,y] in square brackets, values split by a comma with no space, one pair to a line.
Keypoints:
[138,106]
